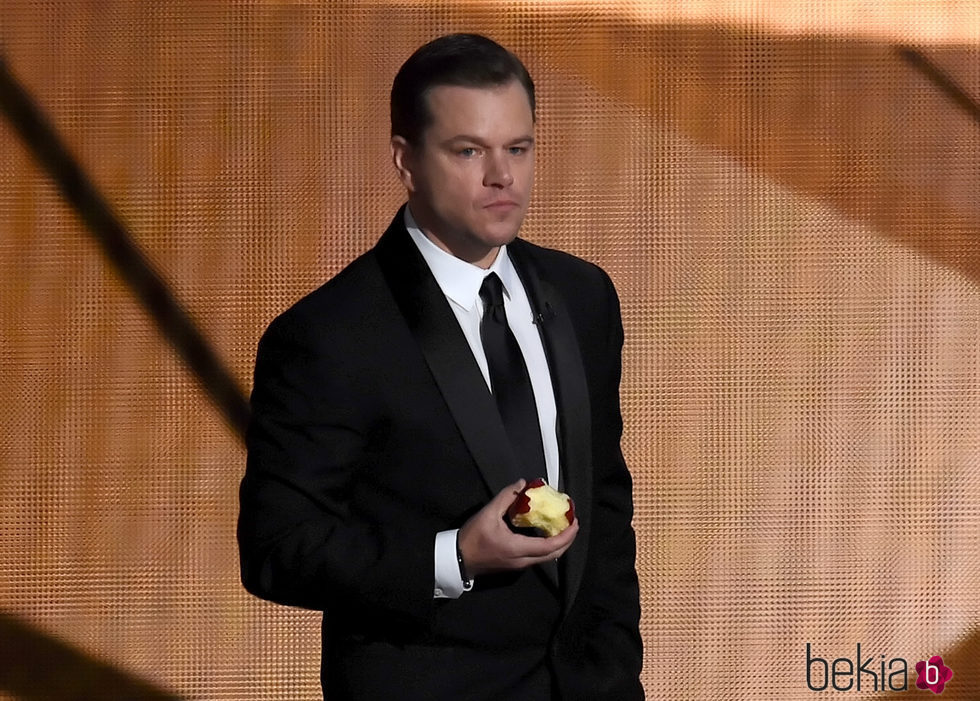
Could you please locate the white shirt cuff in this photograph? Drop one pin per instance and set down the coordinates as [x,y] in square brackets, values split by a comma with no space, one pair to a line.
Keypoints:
[448,583]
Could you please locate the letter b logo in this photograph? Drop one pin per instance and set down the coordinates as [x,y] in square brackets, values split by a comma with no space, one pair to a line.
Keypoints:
[933,674]
[810,661]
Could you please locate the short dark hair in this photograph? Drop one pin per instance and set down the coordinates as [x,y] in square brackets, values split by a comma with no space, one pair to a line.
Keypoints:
[467,60]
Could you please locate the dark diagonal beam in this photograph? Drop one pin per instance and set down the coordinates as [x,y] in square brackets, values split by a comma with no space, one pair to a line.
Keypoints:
[941,80]
[125,256]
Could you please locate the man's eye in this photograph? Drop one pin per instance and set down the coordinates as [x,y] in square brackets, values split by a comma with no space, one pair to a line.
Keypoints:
[518,150]
[467,152]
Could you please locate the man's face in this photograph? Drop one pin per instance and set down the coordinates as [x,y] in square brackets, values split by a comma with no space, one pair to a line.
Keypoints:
[469,178]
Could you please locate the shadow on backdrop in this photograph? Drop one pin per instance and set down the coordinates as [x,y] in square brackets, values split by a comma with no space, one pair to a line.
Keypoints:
[34,665]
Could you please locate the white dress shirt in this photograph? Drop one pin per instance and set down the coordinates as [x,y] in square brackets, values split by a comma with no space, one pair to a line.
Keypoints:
[460,282]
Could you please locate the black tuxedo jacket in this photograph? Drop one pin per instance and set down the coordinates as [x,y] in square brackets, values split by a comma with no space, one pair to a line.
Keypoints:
[373,429]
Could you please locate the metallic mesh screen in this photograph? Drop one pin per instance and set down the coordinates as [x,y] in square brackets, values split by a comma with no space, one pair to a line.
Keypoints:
[788,201]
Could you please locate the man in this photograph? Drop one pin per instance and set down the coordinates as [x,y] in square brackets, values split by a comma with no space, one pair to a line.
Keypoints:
[390,428]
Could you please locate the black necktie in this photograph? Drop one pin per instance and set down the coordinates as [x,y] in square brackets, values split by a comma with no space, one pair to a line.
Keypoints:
[511,382]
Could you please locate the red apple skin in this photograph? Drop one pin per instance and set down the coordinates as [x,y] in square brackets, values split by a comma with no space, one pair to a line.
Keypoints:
[521,505]
[537,482]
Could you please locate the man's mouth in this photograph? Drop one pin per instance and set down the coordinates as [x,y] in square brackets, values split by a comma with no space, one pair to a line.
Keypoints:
[501,205]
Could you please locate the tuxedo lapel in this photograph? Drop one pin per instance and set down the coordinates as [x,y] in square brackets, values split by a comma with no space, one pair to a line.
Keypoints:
[450,360]
[571,398]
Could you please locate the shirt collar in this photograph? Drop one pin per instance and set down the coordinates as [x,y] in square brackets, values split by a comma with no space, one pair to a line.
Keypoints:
[460,281]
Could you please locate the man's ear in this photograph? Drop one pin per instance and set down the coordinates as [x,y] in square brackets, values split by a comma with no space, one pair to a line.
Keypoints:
[401,157]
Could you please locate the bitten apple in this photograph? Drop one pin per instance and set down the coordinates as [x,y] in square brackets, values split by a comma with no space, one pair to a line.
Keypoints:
[543,508]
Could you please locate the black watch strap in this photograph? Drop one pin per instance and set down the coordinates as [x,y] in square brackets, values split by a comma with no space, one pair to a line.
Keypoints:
[467,583]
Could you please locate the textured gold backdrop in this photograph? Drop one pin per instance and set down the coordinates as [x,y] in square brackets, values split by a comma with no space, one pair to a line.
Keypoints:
[790,210]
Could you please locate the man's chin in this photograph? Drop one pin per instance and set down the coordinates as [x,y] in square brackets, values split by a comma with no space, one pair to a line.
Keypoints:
[501,238]
[492,243]
[500,234]
[485,245]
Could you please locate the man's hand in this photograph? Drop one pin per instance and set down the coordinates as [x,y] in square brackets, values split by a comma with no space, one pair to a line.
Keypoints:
[488,545]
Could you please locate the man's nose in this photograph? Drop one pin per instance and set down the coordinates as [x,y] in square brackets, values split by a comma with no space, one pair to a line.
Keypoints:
[497,173]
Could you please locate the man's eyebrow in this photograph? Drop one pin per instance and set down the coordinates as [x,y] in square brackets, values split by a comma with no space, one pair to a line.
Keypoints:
[525,139]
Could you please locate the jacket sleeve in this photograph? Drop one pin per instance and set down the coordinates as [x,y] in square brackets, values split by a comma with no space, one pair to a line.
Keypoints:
[603,641]
[300,541]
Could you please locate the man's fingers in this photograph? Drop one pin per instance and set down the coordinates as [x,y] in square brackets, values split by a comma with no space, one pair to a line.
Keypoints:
[551,555]
[547,548]
[567,545]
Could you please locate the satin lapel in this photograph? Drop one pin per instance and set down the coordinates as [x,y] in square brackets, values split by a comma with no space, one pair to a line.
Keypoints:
[447,353]
[572,400]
